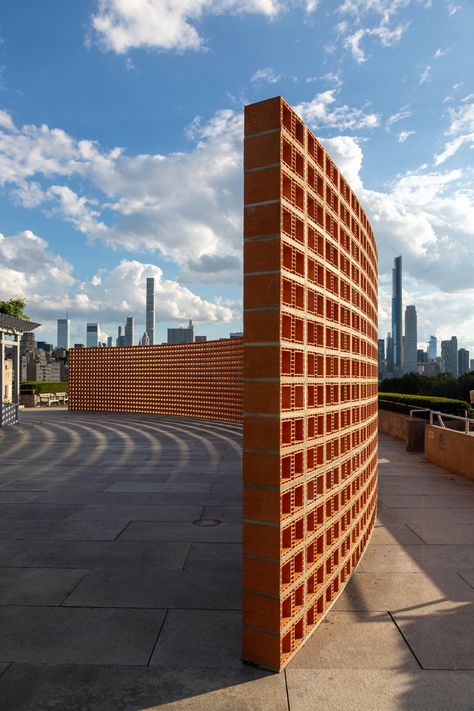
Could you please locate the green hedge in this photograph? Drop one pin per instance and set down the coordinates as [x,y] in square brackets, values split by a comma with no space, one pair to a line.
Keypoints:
[400,402]
[40,387]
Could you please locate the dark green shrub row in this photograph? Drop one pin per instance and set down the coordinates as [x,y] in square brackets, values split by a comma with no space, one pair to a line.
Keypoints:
[401,402]
[39,387]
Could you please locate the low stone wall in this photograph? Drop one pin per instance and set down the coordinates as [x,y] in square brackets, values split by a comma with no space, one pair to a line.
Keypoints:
[450,450]
[394,424]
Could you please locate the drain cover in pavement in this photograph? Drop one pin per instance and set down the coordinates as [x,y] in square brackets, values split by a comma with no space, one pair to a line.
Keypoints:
[207,522]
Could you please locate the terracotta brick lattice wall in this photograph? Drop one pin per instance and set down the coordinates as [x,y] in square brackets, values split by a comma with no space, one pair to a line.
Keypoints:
[196,379]
[310,383]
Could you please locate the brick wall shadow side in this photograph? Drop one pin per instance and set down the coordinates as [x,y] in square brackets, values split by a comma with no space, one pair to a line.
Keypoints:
[310,383]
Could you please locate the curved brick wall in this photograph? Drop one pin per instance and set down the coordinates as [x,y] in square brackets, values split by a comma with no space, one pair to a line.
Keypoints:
[192,379]
[310,383]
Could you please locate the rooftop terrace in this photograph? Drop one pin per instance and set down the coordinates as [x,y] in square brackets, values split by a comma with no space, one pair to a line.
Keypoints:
[120,578]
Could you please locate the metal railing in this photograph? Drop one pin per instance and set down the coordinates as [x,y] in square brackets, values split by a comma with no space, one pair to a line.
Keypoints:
[439,416]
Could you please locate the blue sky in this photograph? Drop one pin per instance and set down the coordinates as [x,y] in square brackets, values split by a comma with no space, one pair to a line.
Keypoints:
[120,148]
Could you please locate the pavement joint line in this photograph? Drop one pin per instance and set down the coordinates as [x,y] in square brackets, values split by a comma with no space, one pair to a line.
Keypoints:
[287,690]
[122,531]
[463,578]
[9,664]
[187,556]
[157,637]
[416,534]
[87,571]
[404,639]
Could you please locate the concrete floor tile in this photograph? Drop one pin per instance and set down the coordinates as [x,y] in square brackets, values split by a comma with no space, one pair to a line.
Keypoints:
[395,591]
[427,629]
[379,690]
[37,586]
[80,687]
[208,638]
[158,587]
[58,635]
[182,532]
[349,640]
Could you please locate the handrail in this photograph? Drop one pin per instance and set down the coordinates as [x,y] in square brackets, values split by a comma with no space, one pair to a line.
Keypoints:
[439,416]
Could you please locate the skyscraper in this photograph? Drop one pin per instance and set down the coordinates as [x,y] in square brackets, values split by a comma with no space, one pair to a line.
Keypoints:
[389,353]
[92,335]
[120,340]
[381,356]
[432,348]
[410,340]
[129,331]
[150,309]
[64,328]
[449,356]
[397,314]
[463,361]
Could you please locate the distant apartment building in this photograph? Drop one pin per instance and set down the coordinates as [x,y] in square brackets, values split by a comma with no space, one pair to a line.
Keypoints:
[463,361]
[236,334]
[109,341]
[449,356]
[150,310]
[181,335]
[129,331]
[200,339]
[92,335]
[432,348]
[64,331]
[411,336]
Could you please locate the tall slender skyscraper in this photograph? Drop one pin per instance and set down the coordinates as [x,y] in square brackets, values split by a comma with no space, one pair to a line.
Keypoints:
[449,356]
[397,313]
[432,348]
[410,340]
[463,361]
[150,309]
[129,331]
[64,329]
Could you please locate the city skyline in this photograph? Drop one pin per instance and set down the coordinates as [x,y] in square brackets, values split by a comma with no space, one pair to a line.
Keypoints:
[93,205]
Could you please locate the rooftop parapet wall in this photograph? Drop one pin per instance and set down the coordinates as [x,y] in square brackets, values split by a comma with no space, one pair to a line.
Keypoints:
[310,383]
[193,379]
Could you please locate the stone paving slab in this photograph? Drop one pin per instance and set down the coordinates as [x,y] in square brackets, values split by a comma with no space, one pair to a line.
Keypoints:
[58,635]
[416,559]
[137,513]
[92,554]
[432,501]
[214,637]
[395,591]
[226,532]
[215,555]
[428,627]
[92,688]
[398,534]
[155,587]
[355,641]
[379,690]
[36,511]
[61,531]
[468,576]
[37,586]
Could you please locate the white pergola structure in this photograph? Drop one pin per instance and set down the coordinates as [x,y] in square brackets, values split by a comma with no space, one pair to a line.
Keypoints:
[11,329]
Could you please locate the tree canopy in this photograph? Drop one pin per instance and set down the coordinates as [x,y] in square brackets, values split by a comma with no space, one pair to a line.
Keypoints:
[14,307]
